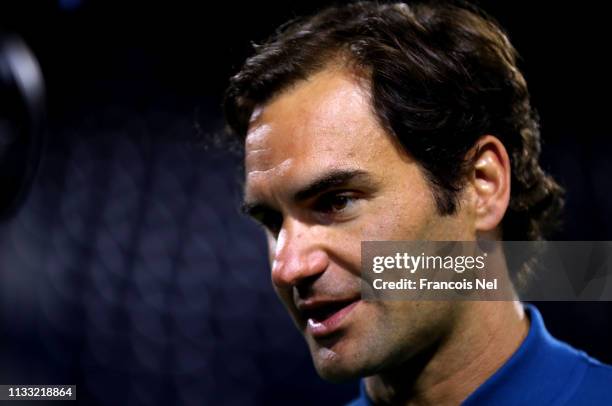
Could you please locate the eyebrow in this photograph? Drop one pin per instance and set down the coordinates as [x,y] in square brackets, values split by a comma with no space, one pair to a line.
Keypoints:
[329,180]
[323,183]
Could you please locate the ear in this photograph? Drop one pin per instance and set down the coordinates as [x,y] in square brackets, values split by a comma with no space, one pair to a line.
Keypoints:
[491,183]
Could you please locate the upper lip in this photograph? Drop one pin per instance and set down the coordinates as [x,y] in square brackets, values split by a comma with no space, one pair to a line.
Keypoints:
[317,306]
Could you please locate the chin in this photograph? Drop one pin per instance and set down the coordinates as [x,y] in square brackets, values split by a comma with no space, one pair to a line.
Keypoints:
[337,368]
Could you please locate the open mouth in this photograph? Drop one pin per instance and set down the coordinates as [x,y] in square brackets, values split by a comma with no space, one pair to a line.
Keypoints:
[324,318]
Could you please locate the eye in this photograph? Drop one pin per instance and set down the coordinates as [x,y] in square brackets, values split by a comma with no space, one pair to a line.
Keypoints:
[334,203]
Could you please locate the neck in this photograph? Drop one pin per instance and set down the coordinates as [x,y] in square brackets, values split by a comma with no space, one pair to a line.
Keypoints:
[483,339]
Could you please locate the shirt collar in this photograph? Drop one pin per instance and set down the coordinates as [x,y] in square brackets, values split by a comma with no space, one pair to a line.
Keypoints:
[539,372]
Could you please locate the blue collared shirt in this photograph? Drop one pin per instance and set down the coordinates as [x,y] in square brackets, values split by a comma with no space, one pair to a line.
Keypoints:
[543,371]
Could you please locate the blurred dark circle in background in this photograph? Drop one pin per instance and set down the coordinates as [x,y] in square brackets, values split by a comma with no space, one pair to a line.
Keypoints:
[21,121]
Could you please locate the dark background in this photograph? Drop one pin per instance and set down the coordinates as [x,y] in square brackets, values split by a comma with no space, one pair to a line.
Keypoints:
[129,272]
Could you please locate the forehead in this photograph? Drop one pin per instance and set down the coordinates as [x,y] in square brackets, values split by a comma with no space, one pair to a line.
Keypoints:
[323,123]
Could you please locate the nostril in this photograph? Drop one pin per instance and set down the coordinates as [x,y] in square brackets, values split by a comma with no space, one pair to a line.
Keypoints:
[304,287]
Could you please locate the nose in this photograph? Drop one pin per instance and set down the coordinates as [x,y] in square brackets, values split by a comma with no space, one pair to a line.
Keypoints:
[298,254]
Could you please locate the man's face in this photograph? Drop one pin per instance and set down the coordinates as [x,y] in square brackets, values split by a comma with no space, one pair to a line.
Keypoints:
[322,176]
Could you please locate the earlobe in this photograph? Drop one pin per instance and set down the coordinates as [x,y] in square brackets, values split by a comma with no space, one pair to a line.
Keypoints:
[491,183]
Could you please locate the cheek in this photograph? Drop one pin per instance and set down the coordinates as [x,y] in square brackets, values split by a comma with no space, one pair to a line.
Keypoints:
[401,217]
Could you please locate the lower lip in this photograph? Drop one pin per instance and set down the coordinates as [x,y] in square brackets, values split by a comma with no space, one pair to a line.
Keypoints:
[330,324]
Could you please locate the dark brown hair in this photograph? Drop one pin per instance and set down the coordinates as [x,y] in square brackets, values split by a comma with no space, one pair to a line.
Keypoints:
[441,76]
